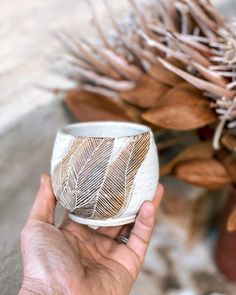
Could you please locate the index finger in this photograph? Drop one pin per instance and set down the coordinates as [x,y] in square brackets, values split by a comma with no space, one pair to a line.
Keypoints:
[141,233]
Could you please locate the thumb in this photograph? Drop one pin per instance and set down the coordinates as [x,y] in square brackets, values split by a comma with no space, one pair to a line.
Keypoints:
[45,203]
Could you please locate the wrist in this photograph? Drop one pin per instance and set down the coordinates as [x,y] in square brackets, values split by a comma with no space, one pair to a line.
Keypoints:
[36,287]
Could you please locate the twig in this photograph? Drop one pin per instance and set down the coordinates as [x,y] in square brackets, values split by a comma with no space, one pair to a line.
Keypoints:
[199,83]
[221,125]
[98,26]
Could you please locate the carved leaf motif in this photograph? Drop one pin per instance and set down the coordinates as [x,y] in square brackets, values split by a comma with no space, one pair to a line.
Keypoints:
[115,192]
[87,159]
[96,184]
[88,170]
[60,177]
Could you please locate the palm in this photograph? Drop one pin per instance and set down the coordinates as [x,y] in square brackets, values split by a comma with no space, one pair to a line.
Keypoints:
[93,255]
[103,261]
[100,247]
[74,259]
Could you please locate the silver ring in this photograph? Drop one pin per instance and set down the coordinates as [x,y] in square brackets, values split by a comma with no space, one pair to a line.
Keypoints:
[122,239]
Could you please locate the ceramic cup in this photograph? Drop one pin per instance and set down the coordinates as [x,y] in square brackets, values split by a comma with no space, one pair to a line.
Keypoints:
[102,172]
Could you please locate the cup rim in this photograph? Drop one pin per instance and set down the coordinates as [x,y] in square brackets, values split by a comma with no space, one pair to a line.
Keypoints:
[66,131]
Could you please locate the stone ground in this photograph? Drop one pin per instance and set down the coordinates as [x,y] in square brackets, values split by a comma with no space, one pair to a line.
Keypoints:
[29,119]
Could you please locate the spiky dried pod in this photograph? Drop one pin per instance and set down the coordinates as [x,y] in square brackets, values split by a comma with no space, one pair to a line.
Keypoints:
[171,65]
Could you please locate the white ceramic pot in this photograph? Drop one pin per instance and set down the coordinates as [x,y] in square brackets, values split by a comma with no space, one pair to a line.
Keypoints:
[102,172]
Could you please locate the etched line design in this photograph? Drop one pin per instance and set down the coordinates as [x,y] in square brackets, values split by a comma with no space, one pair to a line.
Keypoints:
[93,184]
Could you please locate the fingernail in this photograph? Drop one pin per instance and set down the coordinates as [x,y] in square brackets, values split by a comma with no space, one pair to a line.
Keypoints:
[148,209]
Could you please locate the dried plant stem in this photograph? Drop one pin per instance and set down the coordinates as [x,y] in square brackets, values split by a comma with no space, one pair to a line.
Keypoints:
[220,127]
[104,81]
[142,20]
[184,11]
[98,25]
[199,83]
[170,52]
[210,75]
[112,17]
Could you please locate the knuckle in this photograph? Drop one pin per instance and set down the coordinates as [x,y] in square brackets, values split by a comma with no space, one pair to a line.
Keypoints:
[140,238]
[144,225]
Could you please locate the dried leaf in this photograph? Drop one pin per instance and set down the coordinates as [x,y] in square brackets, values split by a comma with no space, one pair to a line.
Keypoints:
[146,94]
[162,145]
[229,141]
[186,87]
[181,110]
[199,83]
[180,117]
[230,164]
[231,223]
[184,93]
[208,173]
[87,106]
[198,151]
[161,74]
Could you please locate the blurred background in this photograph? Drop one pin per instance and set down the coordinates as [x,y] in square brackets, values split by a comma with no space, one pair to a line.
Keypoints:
[180,259]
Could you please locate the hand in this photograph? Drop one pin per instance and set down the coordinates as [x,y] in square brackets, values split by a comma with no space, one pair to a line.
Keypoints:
[76,260]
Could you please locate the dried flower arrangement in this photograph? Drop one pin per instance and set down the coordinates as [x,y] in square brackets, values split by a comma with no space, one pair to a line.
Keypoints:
[172,65]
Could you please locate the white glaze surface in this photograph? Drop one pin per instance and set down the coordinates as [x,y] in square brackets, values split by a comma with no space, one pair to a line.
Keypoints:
[146,179]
